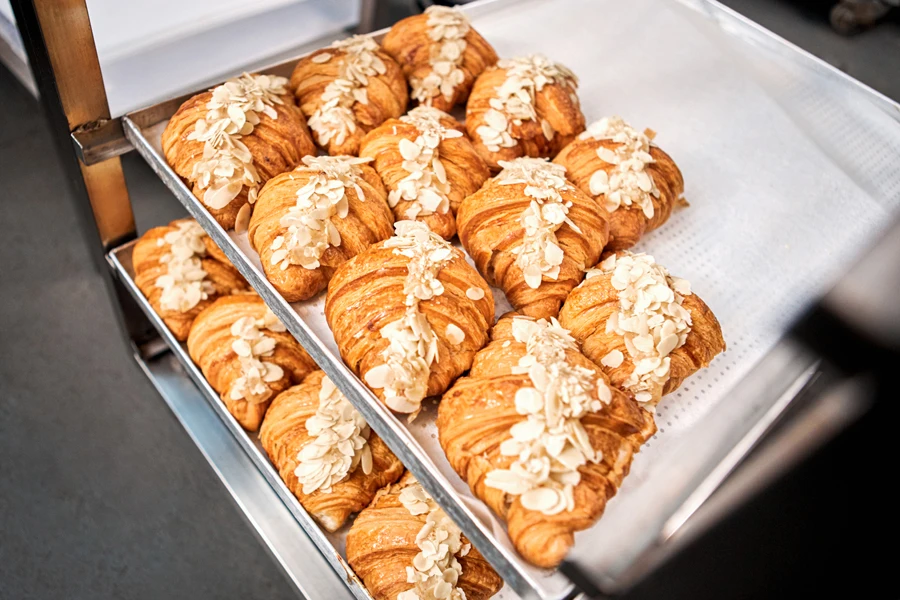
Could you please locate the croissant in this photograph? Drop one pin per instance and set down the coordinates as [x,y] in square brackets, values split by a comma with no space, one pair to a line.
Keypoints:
[540,435]
[532,234]
[181,271]
[524,106]
[408,315]
[325,451]
[441,55]
[404,547]
[310,220]
[643,327]
[428,164]
[626,172]
[246,355]
[230,140]
[346,90]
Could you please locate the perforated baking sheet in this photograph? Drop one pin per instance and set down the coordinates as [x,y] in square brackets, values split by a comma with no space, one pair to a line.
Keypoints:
[779,207]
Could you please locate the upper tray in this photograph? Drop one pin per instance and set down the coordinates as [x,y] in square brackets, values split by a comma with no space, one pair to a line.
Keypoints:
[771,185]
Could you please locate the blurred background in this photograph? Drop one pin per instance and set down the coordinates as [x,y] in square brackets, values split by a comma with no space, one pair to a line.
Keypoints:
[102,495]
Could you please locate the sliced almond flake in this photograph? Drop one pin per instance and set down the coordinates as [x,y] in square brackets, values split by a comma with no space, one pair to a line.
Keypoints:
[334,120]
[425,188]
[308,227]
[651,320]
[322,463]
[324,57]
[475,293]
[447,29]
[628,184]
[550,444]
[435,570]
[412,343]
[540,254]
[515,99]
[226,166]
[252,345]
[184,285]
[455,335]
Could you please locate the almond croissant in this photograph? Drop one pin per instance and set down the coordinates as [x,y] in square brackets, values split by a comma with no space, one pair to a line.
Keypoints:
[440,54]
[539,435]
[325,452]
[181,271]
[524,106]
[246,355]
[628,174]
[532,234]
[428,164]
[642,326]
[404,547]
[230,140]
[408,314]
[309,221]
[346,90]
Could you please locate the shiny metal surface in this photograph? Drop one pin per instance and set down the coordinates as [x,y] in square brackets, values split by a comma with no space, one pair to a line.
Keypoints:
[302,563]
[813,106]
[99,141]
[254,483]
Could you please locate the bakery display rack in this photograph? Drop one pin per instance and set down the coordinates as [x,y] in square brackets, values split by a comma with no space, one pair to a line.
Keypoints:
[806,132]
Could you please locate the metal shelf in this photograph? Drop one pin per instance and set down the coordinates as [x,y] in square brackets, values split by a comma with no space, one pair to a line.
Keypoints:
[766,376]
[309,556]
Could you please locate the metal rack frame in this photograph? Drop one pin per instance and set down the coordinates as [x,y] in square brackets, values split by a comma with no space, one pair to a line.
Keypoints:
[57,36]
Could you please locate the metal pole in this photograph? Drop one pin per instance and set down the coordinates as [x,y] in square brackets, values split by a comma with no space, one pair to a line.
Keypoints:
[60,45]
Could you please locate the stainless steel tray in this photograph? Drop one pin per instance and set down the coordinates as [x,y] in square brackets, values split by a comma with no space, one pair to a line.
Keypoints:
[763,134]
[331,545]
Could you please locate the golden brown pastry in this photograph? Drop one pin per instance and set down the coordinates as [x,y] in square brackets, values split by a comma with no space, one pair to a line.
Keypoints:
[229,141]
[309,221]
[622,169]
[524,106]
[540,435]
[642,326]
[440,54]
[325,452]
[532,233]
[428,164]
[408,314]
[404,547]
[346,90]
[246,355]
[181,271]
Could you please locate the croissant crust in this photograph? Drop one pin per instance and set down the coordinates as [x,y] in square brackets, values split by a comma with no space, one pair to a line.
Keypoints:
[490,228]
[210,347]
[590,305]
[385,93]
[475,416]
[368,220]
[381,544]
[556,103]
[627,224]
[367,292]
[465,170]
[148,268]
[409,43]
[283,434]
[277,145]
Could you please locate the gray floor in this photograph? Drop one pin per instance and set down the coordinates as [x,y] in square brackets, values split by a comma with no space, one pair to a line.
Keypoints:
[102,495]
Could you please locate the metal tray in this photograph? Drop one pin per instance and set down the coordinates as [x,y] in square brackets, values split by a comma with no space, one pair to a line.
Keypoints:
[761,132]
[331,545]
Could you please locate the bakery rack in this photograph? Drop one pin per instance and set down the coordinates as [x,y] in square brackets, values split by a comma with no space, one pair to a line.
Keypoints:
[846,137]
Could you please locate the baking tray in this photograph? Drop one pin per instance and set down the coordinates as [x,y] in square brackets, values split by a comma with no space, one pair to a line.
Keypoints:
[771,189]
[331,545]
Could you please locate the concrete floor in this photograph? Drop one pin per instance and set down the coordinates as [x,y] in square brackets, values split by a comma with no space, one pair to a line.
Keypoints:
[102,494]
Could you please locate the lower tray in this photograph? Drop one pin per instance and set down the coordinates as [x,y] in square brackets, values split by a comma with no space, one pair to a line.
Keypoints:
[241,463]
